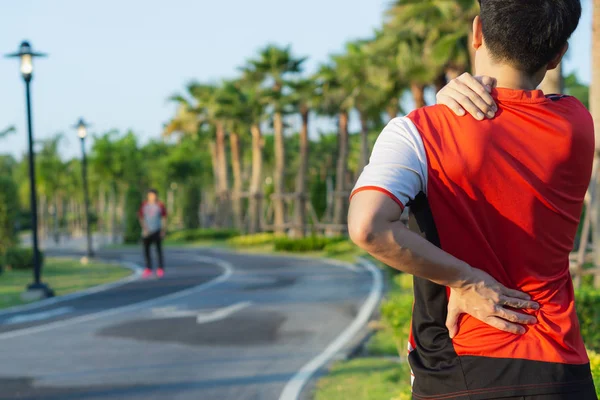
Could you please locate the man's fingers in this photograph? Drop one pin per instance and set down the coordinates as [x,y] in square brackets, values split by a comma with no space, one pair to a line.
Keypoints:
[515,293]
[515,317]
[487,81]
[452,104]
[474,97]
[518,303]
[505,326]
[479,89]
[452,322]
[465,101]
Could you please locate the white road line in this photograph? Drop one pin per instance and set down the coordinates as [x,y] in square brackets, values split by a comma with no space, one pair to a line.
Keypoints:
[201,317]
[40,316]
[293,388]
[137,272]
[222,313]
[226,266]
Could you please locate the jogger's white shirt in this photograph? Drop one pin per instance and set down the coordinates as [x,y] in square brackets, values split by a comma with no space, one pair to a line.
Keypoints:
[398,163]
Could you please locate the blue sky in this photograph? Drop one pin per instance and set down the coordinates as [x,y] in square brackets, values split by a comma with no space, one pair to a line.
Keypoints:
[115,62]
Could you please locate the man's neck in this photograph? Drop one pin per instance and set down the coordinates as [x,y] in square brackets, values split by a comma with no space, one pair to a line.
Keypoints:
[509,77]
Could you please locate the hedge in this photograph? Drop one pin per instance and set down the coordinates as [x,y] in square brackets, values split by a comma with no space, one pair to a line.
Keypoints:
[587,303]
[193,235]
[19,258]
[312,243]
[258,239]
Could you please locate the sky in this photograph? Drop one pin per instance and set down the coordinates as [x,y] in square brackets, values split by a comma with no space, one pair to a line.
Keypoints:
[115,63]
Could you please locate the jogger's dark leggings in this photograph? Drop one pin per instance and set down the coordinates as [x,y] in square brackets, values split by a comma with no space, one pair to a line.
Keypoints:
[153,238]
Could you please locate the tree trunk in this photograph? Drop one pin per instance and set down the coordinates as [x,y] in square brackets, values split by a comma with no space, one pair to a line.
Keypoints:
[234,142]
[42,216]
[301,191]
[339,208]
[55,227]
[256,181]
[418,92]
[364,143]
[113,214]
[392,108]
[101,206]
[223,208]
[279,175]
[553,82]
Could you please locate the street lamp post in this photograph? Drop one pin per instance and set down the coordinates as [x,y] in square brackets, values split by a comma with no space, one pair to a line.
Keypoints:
[26,55]
[81,127]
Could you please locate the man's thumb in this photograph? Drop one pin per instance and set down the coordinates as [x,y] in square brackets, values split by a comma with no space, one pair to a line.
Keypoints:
[452,323]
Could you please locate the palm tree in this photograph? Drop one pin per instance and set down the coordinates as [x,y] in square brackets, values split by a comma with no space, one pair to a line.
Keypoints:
[232,103]
[201,112]
[445,27]
[272,68]
[408,50]
[338,99]
[254,102]
[305,98]
[383,73]
[353,69]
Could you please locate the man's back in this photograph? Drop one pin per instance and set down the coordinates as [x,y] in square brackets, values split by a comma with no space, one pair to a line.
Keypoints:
[504,195]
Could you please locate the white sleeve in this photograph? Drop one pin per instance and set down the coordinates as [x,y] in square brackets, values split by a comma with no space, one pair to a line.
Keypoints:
[398,164]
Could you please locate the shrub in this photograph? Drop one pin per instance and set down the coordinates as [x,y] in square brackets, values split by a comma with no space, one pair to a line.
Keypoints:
[133,201]
[396,311]
[595,365]
[9,212]
[587,302]
[20,258]
[311,243]
[340,247]
[193,235]
[258,239]
[191,205]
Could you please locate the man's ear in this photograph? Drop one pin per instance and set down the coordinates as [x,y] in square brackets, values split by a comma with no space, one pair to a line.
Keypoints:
[477,33]
[556,60]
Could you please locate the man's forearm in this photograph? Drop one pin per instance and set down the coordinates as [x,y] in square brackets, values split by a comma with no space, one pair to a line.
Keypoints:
[393,244]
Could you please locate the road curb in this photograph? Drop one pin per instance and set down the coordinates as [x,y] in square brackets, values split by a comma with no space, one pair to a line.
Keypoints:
[296,386]
[137,273]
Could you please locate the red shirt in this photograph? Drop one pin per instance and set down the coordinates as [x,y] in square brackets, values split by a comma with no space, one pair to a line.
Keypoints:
[504,195]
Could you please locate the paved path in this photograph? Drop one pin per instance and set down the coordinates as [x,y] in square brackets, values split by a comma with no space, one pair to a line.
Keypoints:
[219,326]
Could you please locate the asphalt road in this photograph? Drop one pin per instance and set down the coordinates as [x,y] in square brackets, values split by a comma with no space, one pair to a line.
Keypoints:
[219,326]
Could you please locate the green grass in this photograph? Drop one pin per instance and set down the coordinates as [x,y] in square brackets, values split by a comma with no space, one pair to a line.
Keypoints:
[365,379]
[62,274]
[382,343]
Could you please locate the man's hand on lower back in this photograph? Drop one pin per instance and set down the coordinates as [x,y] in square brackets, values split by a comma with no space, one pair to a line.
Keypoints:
[486,299]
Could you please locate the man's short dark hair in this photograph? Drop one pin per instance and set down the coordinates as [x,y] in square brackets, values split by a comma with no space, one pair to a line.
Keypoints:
[528,33]
[153,191]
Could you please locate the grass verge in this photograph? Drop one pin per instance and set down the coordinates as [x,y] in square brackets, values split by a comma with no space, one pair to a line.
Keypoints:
[365,379]
[64,275]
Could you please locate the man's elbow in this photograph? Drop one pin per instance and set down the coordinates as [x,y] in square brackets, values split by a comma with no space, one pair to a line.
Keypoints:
[362,232]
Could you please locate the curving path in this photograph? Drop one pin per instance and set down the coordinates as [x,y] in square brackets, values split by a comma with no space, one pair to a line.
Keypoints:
[219,326]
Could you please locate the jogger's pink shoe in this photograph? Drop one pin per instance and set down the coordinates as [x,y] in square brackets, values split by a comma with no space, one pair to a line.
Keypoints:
[147,273]
[160,272]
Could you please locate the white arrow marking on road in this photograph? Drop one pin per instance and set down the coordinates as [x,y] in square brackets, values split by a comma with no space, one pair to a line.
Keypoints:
[18,319]
[201,318]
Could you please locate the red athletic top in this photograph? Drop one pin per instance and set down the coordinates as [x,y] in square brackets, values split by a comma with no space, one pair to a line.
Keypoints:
[504,195]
